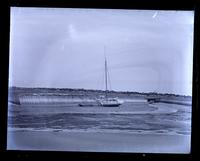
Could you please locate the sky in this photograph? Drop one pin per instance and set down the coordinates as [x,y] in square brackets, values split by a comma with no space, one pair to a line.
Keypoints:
[146,50]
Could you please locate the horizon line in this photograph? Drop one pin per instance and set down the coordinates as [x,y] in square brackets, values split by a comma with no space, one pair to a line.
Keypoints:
[103,90]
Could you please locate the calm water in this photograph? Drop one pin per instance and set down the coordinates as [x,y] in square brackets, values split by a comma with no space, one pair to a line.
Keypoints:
[178,122]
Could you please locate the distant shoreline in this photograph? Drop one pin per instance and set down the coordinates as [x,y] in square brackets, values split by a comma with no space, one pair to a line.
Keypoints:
[94,90]
[17,93]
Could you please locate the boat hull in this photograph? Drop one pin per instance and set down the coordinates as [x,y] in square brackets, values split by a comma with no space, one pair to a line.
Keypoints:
[86,104]
[111,105]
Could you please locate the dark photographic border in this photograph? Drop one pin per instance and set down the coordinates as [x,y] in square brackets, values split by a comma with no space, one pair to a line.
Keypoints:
[110,4]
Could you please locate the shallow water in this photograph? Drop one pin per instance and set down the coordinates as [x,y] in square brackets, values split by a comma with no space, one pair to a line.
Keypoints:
[58,118]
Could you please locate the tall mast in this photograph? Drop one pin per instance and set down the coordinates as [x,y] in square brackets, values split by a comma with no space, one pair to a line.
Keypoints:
[106,74]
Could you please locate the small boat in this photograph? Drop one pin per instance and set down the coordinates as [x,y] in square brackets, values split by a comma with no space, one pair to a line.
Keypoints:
[87,104]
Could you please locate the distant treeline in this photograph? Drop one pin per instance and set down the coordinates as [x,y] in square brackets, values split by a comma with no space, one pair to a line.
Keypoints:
[66,90]
[16,92]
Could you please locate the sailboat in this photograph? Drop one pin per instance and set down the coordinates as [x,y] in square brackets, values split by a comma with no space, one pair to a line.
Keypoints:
[105,101]
[108,101]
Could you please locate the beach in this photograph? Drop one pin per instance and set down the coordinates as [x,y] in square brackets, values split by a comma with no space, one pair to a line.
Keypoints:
[132,127]
[98,142]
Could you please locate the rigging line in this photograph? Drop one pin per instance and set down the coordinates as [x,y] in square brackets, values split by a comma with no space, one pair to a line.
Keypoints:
[98,83]
[105,68]
[104,51]
[109,81]
[106,75]
[102,80]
